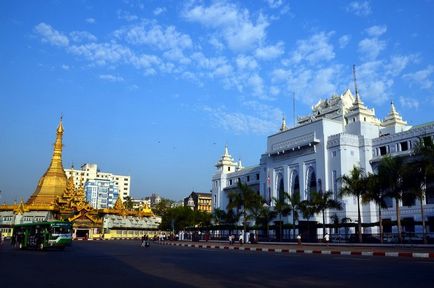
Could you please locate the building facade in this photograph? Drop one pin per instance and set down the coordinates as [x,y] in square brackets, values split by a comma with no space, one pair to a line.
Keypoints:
[101,193]
[91,172]
[340,133]
[199,201]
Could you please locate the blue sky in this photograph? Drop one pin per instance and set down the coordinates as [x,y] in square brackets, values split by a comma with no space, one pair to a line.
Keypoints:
[155,89]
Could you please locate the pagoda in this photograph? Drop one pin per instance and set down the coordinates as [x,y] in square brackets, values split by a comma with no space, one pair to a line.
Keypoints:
[53,183]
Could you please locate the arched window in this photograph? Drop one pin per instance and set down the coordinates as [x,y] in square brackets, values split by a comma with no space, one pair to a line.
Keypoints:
[281,190]
[311,182]
[295,183]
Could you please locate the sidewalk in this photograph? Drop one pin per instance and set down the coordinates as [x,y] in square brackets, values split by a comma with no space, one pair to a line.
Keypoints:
[385,250]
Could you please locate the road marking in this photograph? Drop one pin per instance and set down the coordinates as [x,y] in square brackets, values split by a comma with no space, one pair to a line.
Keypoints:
[421,255]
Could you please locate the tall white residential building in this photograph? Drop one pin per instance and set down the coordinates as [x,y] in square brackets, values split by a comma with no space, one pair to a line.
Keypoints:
[101,193]
[91,172]
[340,133]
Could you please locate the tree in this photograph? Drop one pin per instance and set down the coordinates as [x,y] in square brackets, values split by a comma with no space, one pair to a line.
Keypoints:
[263,217]
[323,201]
[308,209]
[375,193]
[294,204]
[338,222]
[282,209]
[128,203]
[162,207]
[418,172]
[391,171]
[219,216]
[245,200]
[354,184]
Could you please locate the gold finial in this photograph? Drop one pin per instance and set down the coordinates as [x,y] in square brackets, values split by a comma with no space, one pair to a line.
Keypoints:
[60,126]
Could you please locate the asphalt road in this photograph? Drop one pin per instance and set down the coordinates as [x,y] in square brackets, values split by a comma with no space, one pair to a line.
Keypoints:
[125,264]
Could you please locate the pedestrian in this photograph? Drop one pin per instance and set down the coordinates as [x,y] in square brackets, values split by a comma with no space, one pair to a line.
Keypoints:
[252,238]
[299,239]
[327,238]
[241,238]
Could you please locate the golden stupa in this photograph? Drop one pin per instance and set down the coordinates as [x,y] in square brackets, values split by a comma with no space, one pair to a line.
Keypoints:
[53,183]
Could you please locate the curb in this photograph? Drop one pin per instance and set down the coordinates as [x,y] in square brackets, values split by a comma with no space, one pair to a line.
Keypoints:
[306,251]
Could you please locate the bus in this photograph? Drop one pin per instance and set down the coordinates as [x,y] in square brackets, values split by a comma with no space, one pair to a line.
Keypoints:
[42,235]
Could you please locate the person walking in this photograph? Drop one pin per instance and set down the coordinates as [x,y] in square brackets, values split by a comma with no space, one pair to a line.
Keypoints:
[327,239]
[299,239]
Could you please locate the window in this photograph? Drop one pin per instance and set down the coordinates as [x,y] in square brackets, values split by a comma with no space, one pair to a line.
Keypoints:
[408,224]
[257,176]
[230,182]
[335,184]
[248,178]
[431,224]
[387,226]
[383,150]
[404,146]
[334,154]
[229,168]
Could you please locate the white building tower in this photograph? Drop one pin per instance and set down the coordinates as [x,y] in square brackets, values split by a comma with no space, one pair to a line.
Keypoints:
[225,165]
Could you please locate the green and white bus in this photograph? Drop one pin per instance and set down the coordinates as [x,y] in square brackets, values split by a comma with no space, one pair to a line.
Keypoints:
[41,235]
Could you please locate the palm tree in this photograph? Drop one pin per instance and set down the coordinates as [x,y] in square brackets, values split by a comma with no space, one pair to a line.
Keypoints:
[308,209]
[245,199]
[264,215]
[219,216]
[354,184]
[294,205]
[418,172]
[282,209]
[391,171]
[375,193]
[323,201]
[338,222]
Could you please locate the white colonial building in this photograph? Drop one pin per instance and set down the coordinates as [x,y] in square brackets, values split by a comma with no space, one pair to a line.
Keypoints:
[91,172]
[340,133]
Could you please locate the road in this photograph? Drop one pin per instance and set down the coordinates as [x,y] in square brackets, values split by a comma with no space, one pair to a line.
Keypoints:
[126,264]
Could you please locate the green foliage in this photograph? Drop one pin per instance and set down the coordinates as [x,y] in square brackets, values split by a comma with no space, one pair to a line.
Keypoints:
[245,202]
[162,207]
[128,204]
[179,218]
[355,184]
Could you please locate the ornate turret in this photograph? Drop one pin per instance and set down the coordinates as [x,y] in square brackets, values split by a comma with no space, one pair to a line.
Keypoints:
[393,123]
[358,111]
[53,183]
[393,118]
[226,162]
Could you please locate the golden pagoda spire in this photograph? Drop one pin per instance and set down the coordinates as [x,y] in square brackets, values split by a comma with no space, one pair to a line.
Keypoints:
[53,183]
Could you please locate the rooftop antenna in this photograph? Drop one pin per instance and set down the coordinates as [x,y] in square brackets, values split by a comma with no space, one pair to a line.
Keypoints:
[355,82]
